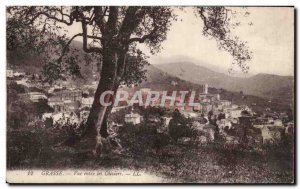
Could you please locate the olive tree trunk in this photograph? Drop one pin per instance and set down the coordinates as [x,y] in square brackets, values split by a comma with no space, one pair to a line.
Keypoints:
[96,126]
[98,110]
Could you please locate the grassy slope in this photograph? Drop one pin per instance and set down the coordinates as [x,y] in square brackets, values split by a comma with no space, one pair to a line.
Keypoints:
[176,163]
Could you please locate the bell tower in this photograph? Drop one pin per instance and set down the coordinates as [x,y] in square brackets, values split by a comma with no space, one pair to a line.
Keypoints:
[205,89]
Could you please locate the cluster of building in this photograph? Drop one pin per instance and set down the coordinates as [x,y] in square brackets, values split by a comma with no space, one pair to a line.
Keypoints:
[11,74]
[213,114]
[217,115]
[67,101]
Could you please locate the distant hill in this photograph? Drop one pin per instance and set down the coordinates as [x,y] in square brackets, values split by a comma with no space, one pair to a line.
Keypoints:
[263,85]
[159,80]
[33,63]
[187,59]
[179,76]
[185,79]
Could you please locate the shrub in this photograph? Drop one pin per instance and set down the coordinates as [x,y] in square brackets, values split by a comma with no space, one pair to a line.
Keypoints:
[142,139]
[22,146]
[179,127]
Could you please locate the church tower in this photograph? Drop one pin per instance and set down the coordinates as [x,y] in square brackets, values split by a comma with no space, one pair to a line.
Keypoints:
[206,89]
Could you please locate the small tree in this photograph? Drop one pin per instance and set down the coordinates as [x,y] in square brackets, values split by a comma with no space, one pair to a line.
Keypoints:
[178,126]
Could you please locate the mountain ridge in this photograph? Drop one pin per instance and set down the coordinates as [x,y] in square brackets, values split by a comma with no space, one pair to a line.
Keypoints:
[260,84]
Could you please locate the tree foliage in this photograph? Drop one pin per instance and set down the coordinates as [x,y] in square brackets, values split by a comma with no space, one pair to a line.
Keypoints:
[44,29]
[179,126]
[110,34]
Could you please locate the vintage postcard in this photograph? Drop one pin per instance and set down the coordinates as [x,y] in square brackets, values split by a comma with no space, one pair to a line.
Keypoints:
[154,94]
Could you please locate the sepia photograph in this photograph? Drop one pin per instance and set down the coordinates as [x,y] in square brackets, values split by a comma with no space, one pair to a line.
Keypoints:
[150,94]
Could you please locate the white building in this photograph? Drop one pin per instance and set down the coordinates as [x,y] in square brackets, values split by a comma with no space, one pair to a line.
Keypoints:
[116,109]
[24,81]
[9,73]
[268,126]
[51,90]
[87,102]
[278,123]
[46,115]
[188,114]
[224,123]
[235,113]
[174,83]
[66,117]
[133,118]
[270,136]
[17,74]
[57,105]
[167,120]
[36,96]
[205,89]
[289,129]
[225,103]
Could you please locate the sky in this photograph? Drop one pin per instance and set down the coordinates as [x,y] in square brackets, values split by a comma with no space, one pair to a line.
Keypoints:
[270,37]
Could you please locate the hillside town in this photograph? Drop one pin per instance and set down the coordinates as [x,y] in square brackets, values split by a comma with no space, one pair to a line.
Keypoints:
[150,94]
[213,116]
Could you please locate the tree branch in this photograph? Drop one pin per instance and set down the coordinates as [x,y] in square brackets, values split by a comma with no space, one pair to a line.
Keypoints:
[85,37]
[201,12]
[111,24]
[131,20]
[70,22]
[65,48]
[99,18]
[144,38]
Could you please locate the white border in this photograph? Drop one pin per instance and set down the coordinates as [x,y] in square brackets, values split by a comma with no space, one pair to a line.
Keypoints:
[5,3]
